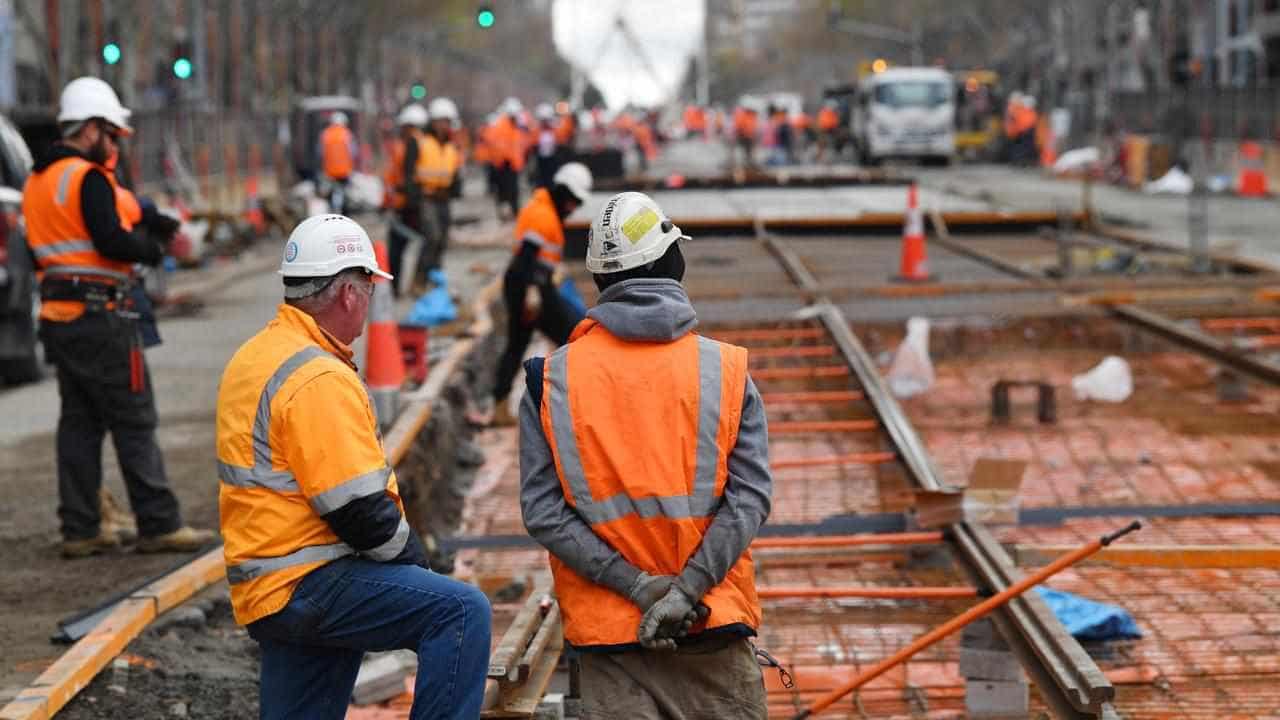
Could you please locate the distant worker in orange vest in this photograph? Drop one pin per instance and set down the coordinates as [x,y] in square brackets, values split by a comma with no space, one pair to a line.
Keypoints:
[338,152]
[531,284]
[802,132]
[402,196]
[745,127]
[85,253]
[509,145]
[438,176]
[644,471]
[646,142]
[828,126]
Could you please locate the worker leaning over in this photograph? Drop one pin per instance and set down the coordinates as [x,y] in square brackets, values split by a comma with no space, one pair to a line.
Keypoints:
[403,198]
[438,177]
[338,159]
[508,139]
[84,258]
[645,473]
[321,562]
[530,285]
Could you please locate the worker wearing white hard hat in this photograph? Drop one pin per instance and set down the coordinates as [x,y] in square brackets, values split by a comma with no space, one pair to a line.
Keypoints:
[85,254]
[546,150]
[439,179]
[338,154]
[402,196]
[312,517]
[531,285]
[645,474]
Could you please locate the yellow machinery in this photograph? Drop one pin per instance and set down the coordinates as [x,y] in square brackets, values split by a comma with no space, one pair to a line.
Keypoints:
[978,112]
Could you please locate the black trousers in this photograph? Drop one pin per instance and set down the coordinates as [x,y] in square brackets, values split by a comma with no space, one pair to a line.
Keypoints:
[437,217]
[555,320]
[508,188]
[92,355]
[412,218]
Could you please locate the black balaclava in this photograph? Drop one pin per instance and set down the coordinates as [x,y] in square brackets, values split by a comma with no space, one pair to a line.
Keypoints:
[669,266]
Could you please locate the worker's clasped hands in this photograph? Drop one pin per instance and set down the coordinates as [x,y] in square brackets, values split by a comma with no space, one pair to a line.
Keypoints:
[668,612]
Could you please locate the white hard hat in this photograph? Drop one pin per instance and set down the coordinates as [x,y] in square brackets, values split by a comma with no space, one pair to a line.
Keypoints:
[86,98]
[576,177]
[544,111]
[512,106]
[1029,101]
[442,108]
[338,118]
[412,114]
[325,245]
[629,232]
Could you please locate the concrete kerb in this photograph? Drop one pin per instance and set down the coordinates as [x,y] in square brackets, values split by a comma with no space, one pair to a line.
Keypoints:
[77,667]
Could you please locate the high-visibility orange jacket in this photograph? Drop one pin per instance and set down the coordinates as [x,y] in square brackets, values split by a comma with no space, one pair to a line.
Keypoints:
[539,223]
[644,138]
[646,470]
[127,206]
[296,441]
[393,175]
[695,119]
[828,119]
[438,163]
[800,121]
[57,234]
[508,143]
[337,152]
[744,123]
[566,128]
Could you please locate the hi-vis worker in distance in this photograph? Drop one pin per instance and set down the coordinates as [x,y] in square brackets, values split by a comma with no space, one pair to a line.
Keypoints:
[85,252]
[338,154]
[645,473]
[403,197]
[437,174]
[321,561]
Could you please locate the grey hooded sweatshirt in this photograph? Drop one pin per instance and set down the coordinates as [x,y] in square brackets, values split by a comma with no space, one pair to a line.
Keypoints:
[648,310]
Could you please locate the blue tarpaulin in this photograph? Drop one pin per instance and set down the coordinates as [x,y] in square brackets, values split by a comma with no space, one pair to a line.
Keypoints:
[572,298]
[1089,620]
[435,307]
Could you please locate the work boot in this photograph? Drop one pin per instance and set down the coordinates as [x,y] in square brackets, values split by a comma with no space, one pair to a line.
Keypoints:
[116,519]
[184,539]
[106,541]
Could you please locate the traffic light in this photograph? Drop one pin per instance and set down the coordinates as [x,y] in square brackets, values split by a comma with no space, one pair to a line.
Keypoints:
[111,53]
[418,91]
[485,16]
[182,67]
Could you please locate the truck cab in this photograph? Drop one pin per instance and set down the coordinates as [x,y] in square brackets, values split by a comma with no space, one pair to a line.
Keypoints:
[905,113]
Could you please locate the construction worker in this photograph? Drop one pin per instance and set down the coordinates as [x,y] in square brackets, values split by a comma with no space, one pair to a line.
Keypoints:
[338,153]
[646,142]
[437,174]
[509,143]
[644,472]
[530,286]
[745,127]
[828,123]
[321,561]
[402,196]
[84,256]
[545,144]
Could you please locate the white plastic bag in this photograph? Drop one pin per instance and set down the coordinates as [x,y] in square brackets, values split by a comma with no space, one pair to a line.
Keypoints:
[1110,381]
[911,372]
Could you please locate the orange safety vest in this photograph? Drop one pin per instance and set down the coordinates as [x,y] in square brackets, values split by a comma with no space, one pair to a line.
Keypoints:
[539,223]
[828,119]
[57,234]
[437,164]
[646,470]
[337,159]
[393,176]
[644,138]
[508,143]
[744,123]
[565,130]
[296,439]
[127,207]
[800,121]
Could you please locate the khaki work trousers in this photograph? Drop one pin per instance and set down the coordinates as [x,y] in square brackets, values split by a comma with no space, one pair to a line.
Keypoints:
[717,682]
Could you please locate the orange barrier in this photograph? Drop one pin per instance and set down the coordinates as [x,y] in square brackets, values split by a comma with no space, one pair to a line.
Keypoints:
[905,538]
[862,458]
[798,427]
[741,336]
[1223,324]
[915,261]
[781,592]
[813,371]
[793,351]
[1252,179]
[817,397]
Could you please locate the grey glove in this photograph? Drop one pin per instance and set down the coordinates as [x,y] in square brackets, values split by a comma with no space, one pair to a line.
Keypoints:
[649,589]
[668,619]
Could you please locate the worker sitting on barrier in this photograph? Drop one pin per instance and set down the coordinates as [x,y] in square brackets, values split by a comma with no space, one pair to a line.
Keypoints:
[644,471]
[320,558]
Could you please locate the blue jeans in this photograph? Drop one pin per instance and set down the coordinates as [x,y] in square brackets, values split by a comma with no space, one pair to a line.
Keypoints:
[312,648]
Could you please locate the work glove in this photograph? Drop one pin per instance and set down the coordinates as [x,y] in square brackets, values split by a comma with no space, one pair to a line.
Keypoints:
[649,589]
[668,619]
[160,225]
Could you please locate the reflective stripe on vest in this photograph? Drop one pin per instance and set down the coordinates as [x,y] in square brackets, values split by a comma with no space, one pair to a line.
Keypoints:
[86,270]
[250,569]
[701,503]
[549,253]
[437,163]
[66,247]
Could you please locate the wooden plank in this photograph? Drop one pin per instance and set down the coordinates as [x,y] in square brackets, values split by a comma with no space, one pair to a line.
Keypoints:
[520,701]
[541,641]
[175,588]
[505,659]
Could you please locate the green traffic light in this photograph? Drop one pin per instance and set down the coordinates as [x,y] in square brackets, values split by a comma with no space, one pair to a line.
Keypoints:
[182,68]
[111,53]
[418,92]
[485,18]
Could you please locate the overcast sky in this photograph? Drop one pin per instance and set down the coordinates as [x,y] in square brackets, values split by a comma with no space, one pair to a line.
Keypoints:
[669,31]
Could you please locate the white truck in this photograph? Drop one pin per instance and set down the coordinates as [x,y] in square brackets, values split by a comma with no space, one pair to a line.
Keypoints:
[905,113]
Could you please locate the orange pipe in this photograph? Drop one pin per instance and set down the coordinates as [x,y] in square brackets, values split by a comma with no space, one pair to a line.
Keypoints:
[792,351]
[780,592]
[1260,342]
[737,336]
[797,427]
[813,396]
[863,458]
[811,371]
[977,612]
[1262,323]
[906,538]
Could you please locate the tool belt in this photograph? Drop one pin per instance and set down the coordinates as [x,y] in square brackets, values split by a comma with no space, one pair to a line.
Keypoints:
[97,295]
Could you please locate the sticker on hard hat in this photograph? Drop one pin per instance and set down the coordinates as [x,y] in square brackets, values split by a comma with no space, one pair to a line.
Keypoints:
[639,224]
[290,251]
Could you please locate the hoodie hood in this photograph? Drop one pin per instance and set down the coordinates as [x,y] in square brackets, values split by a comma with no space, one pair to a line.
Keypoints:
[645,309]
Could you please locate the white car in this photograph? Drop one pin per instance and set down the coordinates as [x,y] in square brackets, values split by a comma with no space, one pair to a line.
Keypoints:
[21,360]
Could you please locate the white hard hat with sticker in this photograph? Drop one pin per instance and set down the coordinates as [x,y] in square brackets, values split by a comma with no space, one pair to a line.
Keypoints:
[412,114]
[630,232]
[325,245]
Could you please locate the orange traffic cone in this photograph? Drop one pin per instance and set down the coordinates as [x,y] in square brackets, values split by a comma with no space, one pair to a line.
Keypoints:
[1252,180]
[915,262]
[253,207]
[384,363]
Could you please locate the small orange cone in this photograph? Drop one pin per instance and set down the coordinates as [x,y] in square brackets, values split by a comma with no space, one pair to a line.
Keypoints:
[1252,180]
[915,262]
[384,363]
[253,207]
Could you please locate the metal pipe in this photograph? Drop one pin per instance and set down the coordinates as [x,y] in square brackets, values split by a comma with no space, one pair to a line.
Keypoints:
[797,427]
[965,618]
[1246,323]
[793,351]
[862,458]
[782,592]
[907,538]
[812,396]
[812,371]
[791,333]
